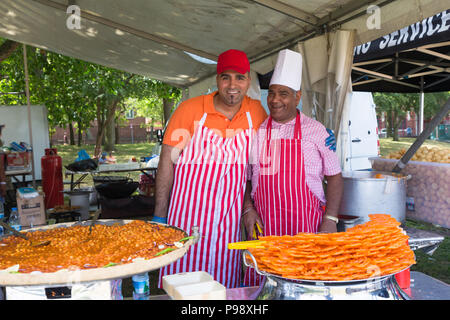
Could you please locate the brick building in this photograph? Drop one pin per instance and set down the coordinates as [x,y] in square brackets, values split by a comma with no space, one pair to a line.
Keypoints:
[410,121]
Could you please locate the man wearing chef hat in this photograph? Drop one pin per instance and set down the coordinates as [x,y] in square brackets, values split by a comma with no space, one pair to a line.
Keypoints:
[288,163]
[202,170]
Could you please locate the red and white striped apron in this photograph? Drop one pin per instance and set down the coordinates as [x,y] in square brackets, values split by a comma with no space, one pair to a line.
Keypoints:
[283,199]
[208,191]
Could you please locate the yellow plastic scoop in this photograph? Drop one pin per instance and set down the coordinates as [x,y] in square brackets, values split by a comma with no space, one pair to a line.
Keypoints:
[253,244]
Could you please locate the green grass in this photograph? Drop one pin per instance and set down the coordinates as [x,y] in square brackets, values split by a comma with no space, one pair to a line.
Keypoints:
[436,265]
[123,153]
[387,145]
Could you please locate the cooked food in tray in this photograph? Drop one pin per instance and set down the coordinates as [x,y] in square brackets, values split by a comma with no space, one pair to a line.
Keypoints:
[376,248]
[63,208]
[74,248]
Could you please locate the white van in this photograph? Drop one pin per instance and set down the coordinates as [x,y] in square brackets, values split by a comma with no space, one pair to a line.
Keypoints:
[363,132]
[362,128]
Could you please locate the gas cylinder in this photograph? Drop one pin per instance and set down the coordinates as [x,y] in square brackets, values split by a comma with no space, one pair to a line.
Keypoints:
[52,179]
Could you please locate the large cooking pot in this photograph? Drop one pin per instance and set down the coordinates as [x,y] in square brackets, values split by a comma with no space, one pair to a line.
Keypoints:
[106,179]
[368,192]
[80,198]
[117,190]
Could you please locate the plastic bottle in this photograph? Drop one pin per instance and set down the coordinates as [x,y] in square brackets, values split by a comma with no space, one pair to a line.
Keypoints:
[116,289]
[14,221]
[2,215]
[141,287]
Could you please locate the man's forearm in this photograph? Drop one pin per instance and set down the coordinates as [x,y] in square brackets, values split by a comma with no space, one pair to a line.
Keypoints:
[164,182]
[248,202]
[334,194]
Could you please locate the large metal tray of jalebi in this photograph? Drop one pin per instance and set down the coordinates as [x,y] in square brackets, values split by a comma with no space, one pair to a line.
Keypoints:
[249,262]
[149,254]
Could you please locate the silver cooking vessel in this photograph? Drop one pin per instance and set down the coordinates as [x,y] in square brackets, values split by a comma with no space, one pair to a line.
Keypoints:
[364,194]
[276,287]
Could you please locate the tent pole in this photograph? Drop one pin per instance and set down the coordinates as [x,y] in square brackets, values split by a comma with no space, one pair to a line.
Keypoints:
[422,102]
[27,91]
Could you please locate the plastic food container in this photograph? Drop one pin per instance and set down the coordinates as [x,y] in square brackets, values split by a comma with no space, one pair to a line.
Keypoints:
[170,282]
[209,290]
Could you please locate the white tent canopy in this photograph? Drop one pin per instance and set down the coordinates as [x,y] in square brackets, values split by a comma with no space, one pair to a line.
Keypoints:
[161,38]
[152,38]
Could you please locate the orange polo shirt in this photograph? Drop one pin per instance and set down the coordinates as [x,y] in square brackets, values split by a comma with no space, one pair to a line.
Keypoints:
[185,119]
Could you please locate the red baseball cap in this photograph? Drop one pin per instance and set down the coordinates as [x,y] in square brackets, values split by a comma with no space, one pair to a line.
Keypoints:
[233,60]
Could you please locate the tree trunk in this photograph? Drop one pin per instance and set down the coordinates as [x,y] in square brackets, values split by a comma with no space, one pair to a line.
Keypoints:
[389,123]
[80,134]
[167,108]
[110,136]
[99,137]
[395,123]
[106,121]
[110,115]
[71,134]
[7,48]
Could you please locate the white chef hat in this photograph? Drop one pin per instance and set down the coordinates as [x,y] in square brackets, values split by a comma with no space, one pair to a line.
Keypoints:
[288,70]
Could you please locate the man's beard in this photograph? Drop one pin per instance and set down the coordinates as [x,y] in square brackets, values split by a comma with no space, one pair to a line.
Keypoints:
[233,99]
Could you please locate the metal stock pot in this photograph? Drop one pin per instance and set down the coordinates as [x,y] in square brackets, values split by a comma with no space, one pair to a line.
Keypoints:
[367,192]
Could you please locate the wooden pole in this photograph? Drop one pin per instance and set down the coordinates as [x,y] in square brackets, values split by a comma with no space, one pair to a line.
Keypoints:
[30,130]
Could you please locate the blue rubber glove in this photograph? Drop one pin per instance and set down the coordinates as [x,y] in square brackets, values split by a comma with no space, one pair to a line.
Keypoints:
[159,219]
[330,142]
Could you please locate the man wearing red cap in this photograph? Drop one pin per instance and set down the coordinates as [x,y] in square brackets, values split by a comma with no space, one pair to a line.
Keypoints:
[202,171]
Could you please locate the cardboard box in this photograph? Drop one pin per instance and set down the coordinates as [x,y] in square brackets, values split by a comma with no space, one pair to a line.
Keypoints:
[17,160]
[31,211]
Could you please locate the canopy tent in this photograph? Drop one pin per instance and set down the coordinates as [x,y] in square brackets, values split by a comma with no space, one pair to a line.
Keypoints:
[177,41]
[413,59]
[154,38]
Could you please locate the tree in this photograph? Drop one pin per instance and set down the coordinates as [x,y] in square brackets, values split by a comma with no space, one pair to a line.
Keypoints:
[7,48]
[54,80]
[433,102]
[76,91]
[159,105]
[395,105]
